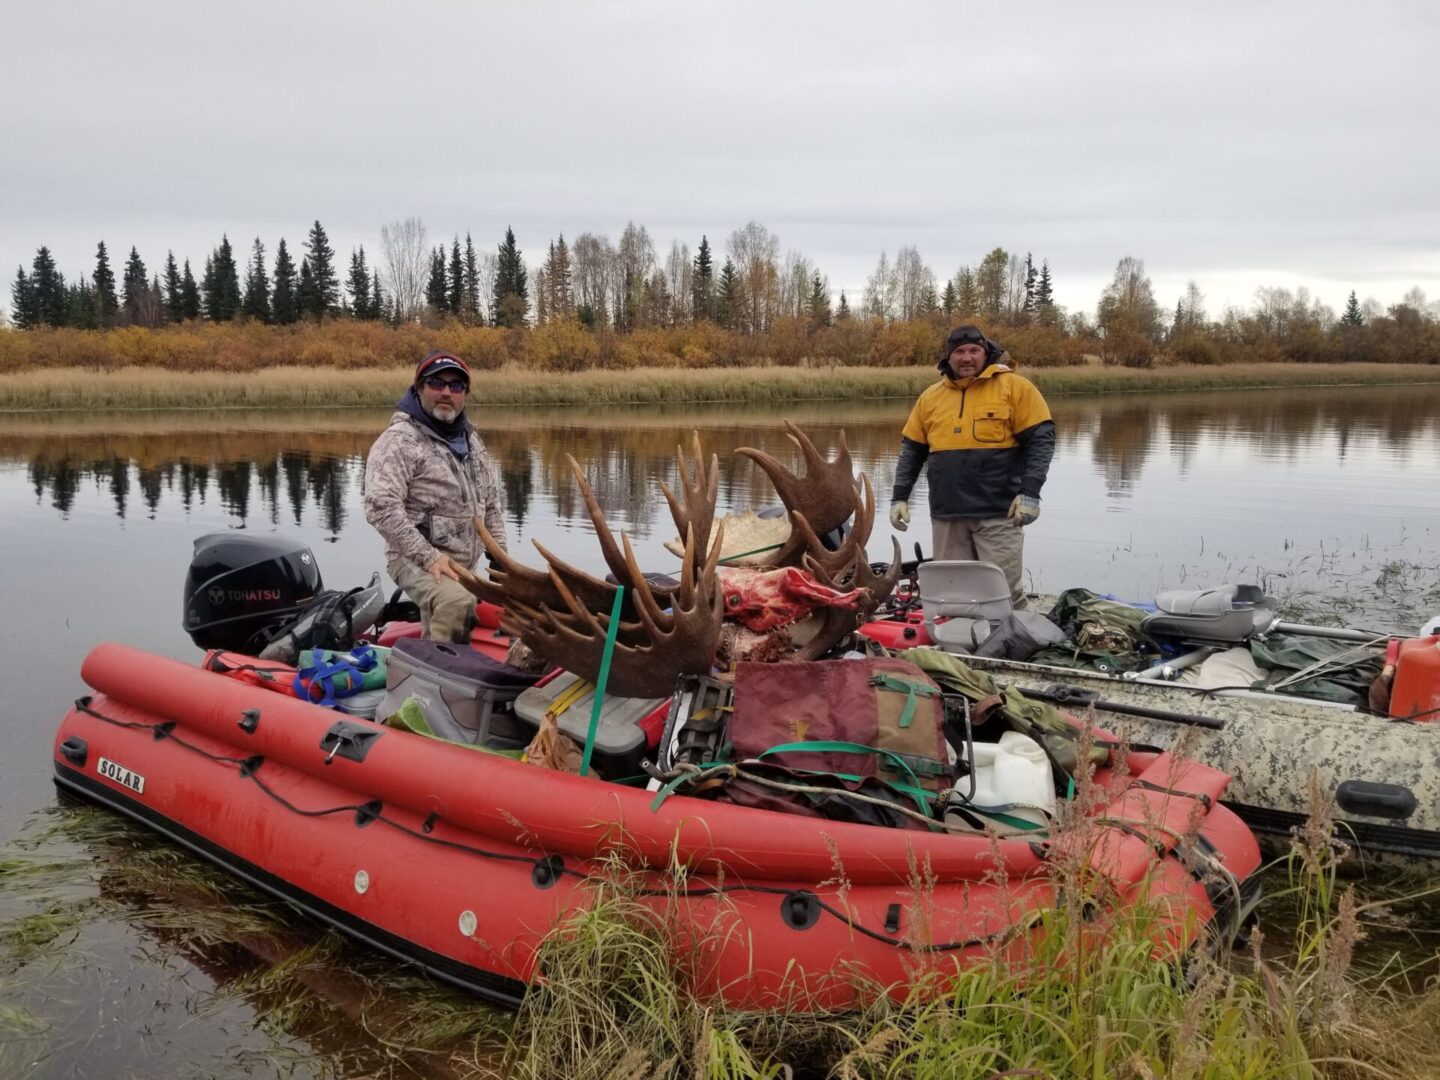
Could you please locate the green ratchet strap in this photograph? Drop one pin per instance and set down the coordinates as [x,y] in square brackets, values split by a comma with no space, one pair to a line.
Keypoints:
[913,789]
[603,678]
[909,689]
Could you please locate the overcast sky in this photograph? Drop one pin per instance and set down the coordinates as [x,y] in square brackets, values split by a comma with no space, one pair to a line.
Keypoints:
[1239,144]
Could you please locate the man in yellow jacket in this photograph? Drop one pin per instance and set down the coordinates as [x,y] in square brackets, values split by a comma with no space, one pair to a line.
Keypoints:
[988,437]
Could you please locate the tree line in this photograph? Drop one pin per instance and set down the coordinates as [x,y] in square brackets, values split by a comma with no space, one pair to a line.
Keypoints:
[628,285]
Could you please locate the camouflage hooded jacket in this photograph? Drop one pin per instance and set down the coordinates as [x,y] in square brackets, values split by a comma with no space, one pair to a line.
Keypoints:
[423,499]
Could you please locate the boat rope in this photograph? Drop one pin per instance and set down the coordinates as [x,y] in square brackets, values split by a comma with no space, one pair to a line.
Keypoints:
[249,770]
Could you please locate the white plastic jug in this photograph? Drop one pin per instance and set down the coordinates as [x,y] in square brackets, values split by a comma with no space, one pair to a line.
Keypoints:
[1013,773]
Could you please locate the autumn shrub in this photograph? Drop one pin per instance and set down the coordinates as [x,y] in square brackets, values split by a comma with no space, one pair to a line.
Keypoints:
[904,344]
[1195,349]
[1043,347]
[564,345]
[1127,348]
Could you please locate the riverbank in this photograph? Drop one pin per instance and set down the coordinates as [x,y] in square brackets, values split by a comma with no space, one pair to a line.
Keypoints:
[310,387]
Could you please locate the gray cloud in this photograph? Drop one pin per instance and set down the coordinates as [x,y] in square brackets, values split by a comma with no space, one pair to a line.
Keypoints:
[1239,144]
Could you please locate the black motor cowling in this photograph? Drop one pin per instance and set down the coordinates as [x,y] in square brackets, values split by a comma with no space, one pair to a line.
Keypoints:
[240,590]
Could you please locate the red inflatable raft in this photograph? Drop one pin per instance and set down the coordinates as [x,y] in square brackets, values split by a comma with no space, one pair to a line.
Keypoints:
[463,861]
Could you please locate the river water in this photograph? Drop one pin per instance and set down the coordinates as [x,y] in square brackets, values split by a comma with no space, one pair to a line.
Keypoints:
[1330,498]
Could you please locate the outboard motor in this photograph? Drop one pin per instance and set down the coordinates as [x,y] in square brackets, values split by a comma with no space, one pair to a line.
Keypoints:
[241,590]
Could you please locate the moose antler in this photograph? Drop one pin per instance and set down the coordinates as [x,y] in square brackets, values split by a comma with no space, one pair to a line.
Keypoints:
[825,494]
[562,612]
[700,494]
[651,654]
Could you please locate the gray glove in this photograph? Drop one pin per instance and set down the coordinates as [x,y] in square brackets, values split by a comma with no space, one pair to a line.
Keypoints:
[1024,509]
[900,515]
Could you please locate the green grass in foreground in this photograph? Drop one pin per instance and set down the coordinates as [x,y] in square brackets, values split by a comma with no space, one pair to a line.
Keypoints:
[614,1005]
[290,387]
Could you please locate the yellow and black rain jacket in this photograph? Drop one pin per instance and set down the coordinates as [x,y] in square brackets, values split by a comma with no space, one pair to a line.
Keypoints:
[987,439]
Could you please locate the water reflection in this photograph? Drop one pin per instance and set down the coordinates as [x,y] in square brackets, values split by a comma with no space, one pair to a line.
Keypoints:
[273,466]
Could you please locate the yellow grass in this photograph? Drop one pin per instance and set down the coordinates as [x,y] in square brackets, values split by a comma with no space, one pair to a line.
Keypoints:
[307,387]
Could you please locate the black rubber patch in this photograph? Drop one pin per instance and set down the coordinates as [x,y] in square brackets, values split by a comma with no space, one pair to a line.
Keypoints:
[364,815]
[349,739]
[1374,799]
[251,765]
[547,871]
[429,825]
[249,721]
[800,909]
[75,750]
[163,729]
[892,919]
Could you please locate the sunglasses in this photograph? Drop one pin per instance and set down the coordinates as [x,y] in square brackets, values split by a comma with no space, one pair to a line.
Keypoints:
[455,386]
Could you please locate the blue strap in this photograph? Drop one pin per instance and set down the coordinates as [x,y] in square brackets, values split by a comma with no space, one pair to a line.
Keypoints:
[323,676]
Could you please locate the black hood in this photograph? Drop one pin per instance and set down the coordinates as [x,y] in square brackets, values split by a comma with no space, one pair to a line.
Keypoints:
[960,336]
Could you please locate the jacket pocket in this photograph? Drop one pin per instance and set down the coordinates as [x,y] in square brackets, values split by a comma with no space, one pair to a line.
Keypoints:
[992,424]
[451,534]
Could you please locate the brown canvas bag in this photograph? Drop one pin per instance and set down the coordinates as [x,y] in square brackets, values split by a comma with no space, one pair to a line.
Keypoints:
[855,719]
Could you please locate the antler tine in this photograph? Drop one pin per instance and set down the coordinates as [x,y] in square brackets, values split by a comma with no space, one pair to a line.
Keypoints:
[645,605]
[826,492]
[480,588]
[608,547]
[813,458]
[712,560]
[701,491]
[595,592]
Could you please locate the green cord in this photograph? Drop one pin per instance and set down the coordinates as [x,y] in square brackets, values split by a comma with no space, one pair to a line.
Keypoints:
[605,656]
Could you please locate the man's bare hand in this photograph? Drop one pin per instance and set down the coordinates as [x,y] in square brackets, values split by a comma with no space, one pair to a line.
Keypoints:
[443,568]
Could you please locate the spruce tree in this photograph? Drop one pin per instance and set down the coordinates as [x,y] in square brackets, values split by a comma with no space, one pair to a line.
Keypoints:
[437,295]
[1029,306]
[702,283]
[1352,316]
[227,274]
[470,304]
[326,292]
[455,284]
[377,298]
[1178,326]
[727,295]
[307,296]
[189,294]
[52,301]
[512,293]
[208,291]
[24,312]
[1044,291]
[222,283]
[947,300]
[174,298]
[819,300]
[359,285]
[135,285]
[104,278]
[967,293]
[256,304]
[284,305]
[561,282]
[843,311]
[82,309]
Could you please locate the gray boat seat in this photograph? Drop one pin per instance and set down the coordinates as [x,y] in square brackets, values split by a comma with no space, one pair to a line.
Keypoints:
[968,595]
[1227,613]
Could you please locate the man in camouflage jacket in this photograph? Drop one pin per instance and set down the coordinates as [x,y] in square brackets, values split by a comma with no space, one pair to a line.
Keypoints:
[427,479]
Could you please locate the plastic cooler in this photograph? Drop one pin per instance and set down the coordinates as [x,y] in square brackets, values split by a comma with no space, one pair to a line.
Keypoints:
[627,728]
[464,695]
